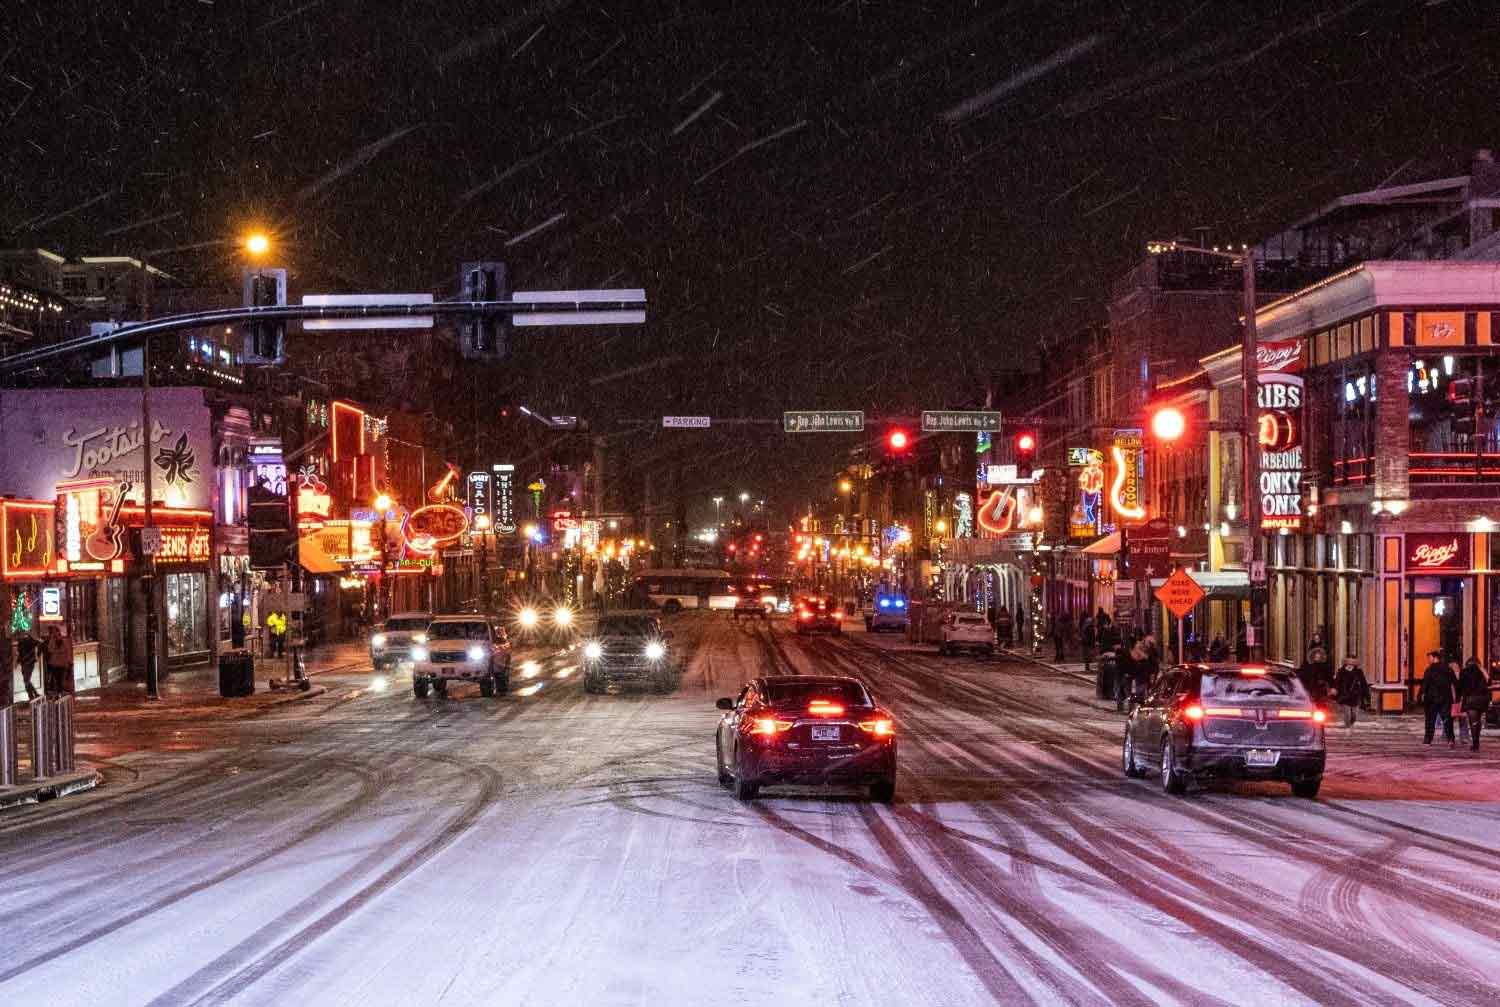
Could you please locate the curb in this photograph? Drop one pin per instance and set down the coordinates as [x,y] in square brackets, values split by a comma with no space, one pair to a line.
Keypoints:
[296,695]
[49,788]
[1023,656]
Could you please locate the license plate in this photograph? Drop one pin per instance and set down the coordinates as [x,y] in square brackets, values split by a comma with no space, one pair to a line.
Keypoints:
[825,734]
[1262,757]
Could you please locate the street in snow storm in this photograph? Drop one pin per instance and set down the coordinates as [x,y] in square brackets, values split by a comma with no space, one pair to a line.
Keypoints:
[629,504]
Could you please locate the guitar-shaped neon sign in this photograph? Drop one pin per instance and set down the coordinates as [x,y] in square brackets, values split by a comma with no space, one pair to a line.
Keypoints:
[107,541]
[998,512]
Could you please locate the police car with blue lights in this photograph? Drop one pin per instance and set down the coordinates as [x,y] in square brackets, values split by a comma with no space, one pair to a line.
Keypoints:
[888,612]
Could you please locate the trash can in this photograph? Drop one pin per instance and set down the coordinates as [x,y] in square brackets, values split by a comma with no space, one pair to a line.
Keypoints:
[236,673]
[1106,678]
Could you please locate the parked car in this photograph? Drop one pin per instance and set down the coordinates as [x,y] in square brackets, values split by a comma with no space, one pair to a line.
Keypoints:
[628,648]
[391,641]
[461,648]
[1238,722]
[966,631]
[805,729]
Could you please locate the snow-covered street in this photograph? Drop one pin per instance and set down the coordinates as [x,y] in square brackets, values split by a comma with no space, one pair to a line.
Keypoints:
[552,848]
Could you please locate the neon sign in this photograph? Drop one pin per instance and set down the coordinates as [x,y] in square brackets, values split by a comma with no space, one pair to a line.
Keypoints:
[26,533]
[313,502]
[429,528]
[998,512]
[1125,491]
[1279,437]
[1437,551]
[183,545]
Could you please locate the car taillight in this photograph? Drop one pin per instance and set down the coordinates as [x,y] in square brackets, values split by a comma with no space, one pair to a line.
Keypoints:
[1222,711]
[823,708]
[768,725]
[879,728]
[804,614]
[1319,716]
[1298,714]
[1194,712]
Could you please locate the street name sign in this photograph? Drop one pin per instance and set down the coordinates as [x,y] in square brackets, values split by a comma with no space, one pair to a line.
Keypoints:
[617,315]
[950,421]
[687,422]
[823,421]
[1180,593]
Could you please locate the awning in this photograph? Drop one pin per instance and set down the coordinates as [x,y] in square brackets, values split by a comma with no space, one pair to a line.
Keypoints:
[316,550]
[1109,545]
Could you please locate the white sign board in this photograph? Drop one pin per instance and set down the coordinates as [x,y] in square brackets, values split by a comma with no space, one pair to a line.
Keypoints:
[686,422]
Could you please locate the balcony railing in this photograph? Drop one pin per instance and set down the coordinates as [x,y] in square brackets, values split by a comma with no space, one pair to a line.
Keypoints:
[1463,461]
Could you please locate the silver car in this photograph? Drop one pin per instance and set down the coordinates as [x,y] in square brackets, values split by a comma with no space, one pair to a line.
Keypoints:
[391,641]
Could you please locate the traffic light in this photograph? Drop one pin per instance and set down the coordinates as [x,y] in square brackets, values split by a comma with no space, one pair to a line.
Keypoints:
[1168,424]
[265,341]
[897,441]
[1463,395]
[484,337]
[1026,443]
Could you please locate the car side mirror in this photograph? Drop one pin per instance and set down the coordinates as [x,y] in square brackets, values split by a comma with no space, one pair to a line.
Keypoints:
[724,703]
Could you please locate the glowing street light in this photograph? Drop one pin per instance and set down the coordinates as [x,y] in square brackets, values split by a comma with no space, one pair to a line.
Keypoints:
[257,244]
[845,486]
[744,498]
[383,502]
[1168,423]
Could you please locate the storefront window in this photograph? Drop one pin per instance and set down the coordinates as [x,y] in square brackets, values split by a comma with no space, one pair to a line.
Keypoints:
[187,622]
[1352,433]
[1444,400]
[83,611]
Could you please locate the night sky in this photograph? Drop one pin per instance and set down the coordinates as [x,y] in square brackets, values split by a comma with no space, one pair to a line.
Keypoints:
[846,205]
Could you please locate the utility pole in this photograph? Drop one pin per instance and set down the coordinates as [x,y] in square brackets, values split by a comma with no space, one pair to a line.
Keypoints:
[148,562]
[1255,636]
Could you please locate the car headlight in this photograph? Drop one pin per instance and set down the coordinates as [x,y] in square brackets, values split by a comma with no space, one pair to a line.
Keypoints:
[377,641]
[527,617]
[476,653]
[419,638]
[593,651]
[419,653]
[655,651]
[563,617]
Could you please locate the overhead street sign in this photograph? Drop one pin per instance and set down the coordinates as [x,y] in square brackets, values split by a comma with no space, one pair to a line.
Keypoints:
[949,421]
[687,422]
[823,421]
[1180,593]
[619,314]
[355,300]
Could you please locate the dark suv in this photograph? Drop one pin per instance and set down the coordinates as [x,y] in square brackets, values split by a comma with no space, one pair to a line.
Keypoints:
[628,648]
[1202,722]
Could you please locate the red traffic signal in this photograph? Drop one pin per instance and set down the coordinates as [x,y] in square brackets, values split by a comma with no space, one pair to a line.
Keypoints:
[1168,423]
[898,440]
[1025,443]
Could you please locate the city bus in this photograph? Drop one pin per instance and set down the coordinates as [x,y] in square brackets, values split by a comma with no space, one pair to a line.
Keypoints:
[674,590]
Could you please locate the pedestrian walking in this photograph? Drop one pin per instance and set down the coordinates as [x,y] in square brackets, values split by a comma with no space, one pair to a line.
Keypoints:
[1474,695]
[1089,637]
[1350,689]
[1124,674]
[1062,627]
[1316,674]
[26,655]
[1438,694]
[57,680]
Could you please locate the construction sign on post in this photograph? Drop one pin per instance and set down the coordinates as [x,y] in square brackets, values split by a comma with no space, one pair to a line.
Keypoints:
[1180,593]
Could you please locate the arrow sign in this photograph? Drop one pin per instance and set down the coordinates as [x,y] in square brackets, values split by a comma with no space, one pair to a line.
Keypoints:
[949,421]
[687,422]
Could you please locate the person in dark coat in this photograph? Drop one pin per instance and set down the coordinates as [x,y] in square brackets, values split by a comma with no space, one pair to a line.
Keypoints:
[1088,636]
[1349,689]
[1439,693]
[58,679]
[26,655]
[1004,626]
[1474,695]
[1316,675]
[1218,650]
[1062,629]
[1124,674]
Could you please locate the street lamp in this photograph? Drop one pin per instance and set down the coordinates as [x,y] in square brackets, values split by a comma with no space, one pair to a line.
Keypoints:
[718,501]
[257,244]
[744,498]
[845,486]
[482,525]
[383,504]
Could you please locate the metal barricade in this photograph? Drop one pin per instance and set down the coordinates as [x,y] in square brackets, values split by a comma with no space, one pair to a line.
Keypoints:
[41,739]
[61,756]
[9,748]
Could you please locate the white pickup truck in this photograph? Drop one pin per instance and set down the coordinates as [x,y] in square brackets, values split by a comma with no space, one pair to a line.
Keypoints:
[967,631]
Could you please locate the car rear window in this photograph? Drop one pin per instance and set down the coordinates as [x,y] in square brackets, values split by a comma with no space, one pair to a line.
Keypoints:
[406,625]
[630,626]
[972,620]
[459,631]
[848,693]
[1270,688]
